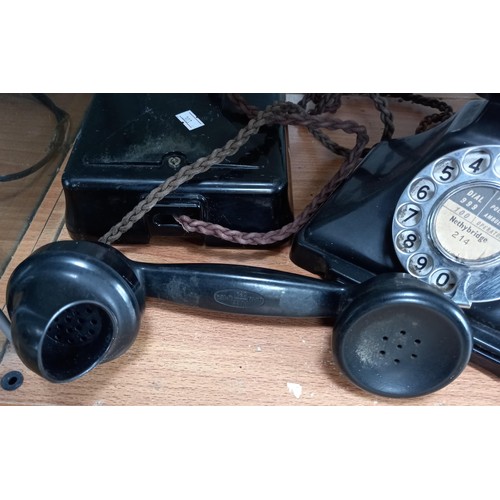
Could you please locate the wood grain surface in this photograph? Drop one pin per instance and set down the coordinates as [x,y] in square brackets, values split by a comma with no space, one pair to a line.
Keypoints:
[185,356]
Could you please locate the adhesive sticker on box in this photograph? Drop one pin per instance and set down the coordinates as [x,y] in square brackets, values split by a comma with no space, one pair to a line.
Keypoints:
[190,120]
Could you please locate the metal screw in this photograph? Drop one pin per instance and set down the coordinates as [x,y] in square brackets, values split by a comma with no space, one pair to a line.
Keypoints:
[174,161]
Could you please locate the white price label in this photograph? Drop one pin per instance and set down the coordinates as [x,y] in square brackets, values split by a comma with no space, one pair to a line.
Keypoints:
[189,120]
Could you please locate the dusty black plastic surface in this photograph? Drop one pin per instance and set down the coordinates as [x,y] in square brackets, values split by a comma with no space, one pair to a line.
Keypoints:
[349,239]
[401,339]
[130,143]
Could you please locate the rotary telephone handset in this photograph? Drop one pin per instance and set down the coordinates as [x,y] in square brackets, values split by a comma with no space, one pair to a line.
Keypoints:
[428,205]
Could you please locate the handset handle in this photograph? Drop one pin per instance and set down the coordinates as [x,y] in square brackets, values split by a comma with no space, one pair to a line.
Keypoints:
[242,289]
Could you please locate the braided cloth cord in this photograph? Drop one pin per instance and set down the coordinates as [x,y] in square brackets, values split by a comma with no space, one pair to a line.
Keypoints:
[315,119]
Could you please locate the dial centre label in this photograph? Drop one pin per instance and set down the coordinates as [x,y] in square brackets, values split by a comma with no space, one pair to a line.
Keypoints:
[466,224]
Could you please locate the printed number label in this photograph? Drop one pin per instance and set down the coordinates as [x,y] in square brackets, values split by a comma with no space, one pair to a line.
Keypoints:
[422,190]
[408,241]
[476,162]
[445,171]
[443,279]
[409,215]
[420,264]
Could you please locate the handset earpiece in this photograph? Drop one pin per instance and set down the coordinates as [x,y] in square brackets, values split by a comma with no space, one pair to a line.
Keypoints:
[75,304]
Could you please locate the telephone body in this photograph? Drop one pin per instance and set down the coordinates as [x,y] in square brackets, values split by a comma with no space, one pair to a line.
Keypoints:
[427,205]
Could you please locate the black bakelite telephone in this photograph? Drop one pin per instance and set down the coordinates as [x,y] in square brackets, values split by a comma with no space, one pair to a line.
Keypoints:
[409,248]
[427,205]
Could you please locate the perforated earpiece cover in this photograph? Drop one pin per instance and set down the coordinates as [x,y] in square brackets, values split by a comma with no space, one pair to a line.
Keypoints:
[401,338]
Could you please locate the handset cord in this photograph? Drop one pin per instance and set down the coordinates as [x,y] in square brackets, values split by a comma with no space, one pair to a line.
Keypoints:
[313,111]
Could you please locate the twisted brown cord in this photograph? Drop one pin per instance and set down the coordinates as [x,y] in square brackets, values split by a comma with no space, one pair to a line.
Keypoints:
[284,113]
[185,174]
[330,103]
[385,115]
[320,104]
[283,233]
[446,111]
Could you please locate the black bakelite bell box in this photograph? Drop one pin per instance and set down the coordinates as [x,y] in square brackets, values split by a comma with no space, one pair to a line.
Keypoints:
[129,144]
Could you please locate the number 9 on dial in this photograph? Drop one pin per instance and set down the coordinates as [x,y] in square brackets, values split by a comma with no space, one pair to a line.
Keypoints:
[420,264]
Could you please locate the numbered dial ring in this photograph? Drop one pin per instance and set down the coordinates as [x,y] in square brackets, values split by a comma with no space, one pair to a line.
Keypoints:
[446,226]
